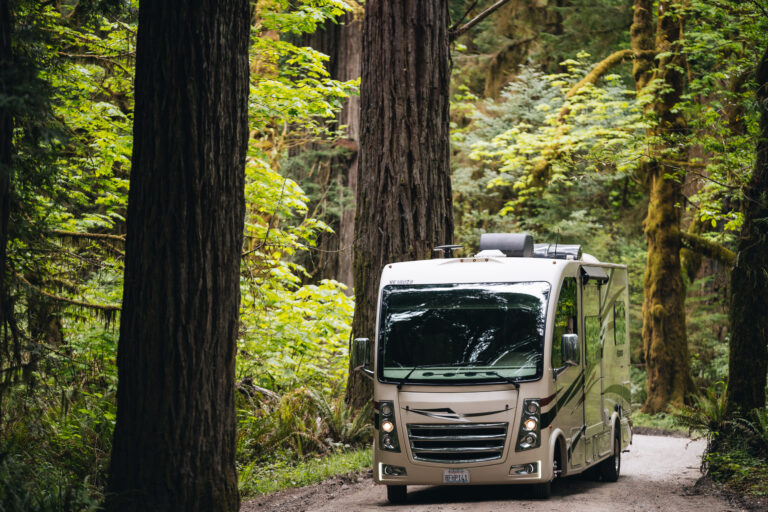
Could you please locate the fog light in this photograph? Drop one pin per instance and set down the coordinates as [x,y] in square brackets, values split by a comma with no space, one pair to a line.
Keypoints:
[387,426]
[393,470]
[530,424]
[532,468]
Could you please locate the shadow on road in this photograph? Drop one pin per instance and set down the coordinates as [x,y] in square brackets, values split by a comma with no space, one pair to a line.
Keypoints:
[477,493]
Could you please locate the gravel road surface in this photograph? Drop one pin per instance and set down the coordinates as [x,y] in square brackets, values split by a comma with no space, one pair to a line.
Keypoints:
[658,474]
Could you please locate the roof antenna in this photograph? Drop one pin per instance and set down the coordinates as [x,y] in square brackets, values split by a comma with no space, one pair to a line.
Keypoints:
[447,250]
[557,239]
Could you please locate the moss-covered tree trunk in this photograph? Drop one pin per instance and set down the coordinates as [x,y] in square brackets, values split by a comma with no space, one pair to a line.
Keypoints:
[665,345]
[174,441]
[749,280]
[404,193]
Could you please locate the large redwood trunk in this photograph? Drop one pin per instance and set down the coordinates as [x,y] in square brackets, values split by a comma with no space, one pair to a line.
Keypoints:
[404,193]
[174,442]
[749,283]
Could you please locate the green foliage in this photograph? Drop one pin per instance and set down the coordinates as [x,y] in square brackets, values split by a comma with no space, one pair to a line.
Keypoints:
[662,421]
[707,413]
[706,321]
[298,424]
[739,458]
[40,488]
[73,144]
[256,479]
[740,470]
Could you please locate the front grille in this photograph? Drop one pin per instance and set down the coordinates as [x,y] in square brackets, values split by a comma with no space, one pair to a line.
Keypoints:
[456,443]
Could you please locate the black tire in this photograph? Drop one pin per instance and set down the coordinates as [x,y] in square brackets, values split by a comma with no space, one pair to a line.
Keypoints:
[541,491]
[396,494]
[611,467]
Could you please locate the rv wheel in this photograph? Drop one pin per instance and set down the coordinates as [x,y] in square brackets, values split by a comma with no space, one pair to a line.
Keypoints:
[610,467]
[396,494]
[541,491]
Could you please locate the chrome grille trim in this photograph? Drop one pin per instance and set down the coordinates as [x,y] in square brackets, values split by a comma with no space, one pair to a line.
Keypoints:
[457,443]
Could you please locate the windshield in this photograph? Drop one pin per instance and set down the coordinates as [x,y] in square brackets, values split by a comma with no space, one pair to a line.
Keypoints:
[462,332]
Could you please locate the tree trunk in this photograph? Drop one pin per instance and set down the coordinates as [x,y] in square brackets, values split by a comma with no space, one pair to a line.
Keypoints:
[174,442]
[342,43]
[749,281]
[404,192]
[665,345]
[349,68]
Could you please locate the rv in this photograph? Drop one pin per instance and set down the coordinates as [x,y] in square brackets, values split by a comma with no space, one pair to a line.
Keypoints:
[508,367]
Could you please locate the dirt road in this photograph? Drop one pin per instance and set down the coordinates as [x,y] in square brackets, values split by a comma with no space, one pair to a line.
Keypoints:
[658,474]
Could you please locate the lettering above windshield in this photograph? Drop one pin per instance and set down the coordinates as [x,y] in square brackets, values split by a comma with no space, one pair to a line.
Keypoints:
[462,333]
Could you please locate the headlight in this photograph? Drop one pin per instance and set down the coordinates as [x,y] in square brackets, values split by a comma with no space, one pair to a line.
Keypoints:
[387,442]
[388,427]
[528,440]
[530,427]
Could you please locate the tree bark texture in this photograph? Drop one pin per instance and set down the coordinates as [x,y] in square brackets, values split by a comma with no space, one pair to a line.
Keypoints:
[174,442]
[642,40]
[748,361]
[342,43]
[404,193]
[665,345]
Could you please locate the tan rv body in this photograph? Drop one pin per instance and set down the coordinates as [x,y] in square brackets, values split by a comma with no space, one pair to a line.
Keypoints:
[470,433]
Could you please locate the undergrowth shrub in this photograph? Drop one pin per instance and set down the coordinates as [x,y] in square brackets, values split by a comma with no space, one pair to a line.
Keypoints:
[737,444]
[298,424]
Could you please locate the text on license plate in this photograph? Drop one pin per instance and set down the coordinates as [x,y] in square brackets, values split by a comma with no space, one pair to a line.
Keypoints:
[456,476]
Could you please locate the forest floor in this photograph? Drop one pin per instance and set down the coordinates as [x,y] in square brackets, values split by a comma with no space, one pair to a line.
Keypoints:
[660,473]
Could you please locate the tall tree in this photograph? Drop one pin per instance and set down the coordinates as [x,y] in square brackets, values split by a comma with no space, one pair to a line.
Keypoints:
[665,346]
[749,279]
[334,260]
[174,441]
[404,193]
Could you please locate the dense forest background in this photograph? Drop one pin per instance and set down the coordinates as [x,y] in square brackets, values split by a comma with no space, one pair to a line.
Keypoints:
[628,127]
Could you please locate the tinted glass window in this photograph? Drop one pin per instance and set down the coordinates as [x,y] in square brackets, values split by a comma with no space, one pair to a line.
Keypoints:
[466,332]
[620,322]
[566,318]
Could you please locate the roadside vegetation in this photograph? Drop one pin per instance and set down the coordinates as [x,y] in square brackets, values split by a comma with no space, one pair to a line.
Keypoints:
[532,151]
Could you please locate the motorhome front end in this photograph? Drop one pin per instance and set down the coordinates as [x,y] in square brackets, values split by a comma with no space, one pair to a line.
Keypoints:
[510,367]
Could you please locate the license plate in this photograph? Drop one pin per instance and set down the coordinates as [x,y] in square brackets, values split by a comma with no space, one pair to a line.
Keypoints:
[456,476]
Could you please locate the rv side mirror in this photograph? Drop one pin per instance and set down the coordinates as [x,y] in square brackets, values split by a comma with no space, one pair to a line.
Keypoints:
[570,348]
[360,358]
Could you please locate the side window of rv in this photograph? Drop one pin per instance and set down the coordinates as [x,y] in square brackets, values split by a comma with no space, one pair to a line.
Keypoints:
[565,319]
[591,302]
[620,322]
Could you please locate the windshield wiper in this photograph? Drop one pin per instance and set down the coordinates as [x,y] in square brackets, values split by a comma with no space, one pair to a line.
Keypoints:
[423,366]
[510,380]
